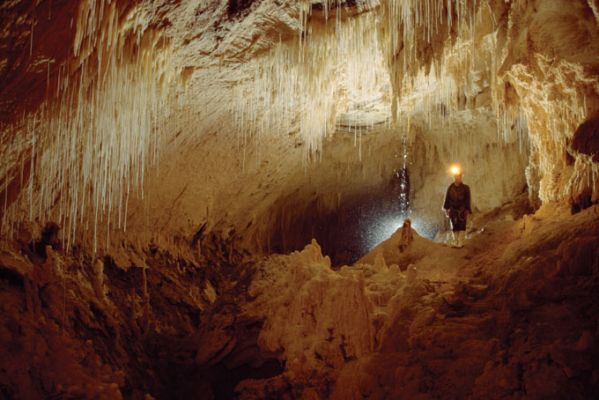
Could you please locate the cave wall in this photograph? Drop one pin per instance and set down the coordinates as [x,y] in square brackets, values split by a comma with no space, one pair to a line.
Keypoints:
[346,199]
[212,66]
[497,114]
[534,58]
[550,64]
[77,327]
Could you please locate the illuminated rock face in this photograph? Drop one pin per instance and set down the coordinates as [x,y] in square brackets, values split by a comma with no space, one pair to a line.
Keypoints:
[542,60]
[551,68]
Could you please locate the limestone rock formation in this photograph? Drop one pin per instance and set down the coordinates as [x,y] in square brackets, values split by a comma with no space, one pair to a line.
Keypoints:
[200,199]
[488,323]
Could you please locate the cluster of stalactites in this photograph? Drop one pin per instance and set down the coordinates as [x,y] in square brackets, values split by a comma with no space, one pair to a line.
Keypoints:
[441,56]
[88,146]
[301,86]
[426,49]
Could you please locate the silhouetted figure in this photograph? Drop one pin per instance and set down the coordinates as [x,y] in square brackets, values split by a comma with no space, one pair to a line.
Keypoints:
[457,207]
[406,235]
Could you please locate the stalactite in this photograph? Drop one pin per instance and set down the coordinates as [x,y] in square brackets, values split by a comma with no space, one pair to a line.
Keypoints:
[305,84]
[89,147]
[91,142]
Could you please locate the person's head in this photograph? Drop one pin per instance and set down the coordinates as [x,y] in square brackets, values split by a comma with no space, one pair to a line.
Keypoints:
[456,172]
[457,178]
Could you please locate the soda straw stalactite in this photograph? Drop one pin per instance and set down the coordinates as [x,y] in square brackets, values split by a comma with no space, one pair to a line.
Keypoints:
[91,142]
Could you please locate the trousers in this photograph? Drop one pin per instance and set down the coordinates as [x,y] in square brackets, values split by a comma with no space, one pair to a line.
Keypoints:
[458,219]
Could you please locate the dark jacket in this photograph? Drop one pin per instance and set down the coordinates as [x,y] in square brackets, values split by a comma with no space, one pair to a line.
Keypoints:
[457,198]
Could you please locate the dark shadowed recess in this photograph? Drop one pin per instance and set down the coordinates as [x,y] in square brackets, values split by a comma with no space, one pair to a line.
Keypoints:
[585,141]
[236,7]
[586,138]
[39,30]
[346,233]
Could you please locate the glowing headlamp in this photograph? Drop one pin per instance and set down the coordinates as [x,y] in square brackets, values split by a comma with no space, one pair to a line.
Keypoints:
[455,170]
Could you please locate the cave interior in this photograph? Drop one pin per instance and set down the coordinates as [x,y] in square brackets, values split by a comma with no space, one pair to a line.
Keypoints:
[243,199]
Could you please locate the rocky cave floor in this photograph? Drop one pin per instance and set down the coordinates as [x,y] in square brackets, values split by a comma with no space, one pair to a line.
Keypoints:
[513,314]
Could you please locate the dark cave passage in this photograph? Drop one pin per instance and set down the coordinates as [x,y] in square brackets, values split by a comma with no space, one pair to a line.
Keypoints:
[353,228]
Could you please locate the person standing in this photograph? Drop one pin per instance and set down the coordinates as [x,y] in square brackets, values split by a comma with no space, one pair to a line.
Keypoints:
[457,207]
